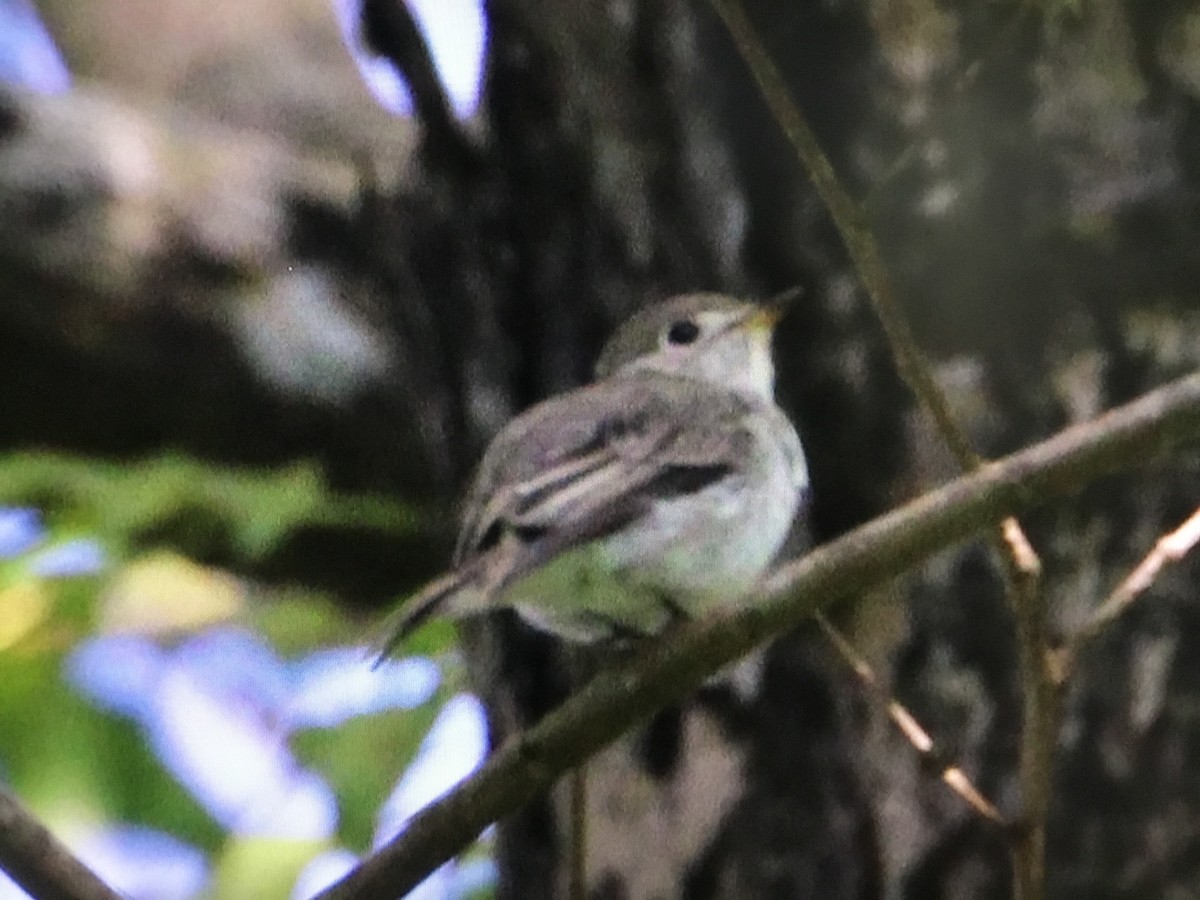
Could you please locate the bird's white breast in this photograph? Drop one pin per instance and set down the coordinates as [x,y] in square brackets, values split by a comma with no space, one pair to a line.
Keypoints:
[712,547]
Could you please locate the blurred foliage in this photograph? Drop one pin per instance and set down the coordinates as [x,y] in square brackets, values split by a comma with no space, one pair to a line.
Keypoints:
[76,764]
[126,502]
[83,768]
[359,760]
[260,868]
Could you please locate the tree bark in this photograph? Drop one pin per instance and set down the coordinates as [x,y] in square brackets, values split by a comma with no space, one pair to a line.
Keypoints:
[258,289]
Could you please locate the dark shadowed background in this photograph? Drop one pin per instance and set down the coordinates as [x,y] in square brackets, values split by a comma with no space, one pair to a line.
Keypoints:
[260,310]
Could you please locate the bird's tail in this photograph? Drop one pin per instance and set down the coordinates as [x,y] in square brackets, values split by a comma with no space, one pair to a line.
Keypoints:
[435,597]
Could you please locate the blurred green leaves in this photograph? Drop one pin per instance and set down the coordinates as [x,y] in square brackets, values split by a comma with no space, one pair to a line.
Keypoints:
[255,509]
[81,767]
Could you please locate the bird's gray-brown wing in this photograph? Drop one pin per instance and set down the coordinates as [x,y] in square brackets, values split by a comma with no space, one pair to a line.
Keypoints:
[583,465]
[577,468]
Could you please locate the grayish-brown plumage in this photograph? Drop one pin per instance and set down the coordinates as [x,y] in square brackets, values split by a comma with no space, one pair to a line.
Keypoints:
[663,489]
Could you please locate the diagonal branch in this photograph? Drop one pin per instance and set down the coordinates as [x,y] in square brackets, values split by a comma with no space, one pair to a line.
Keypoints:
[1020,564]
[616,700]
[851,223]
[951,774]
[37,861]
[390,29]
[1170,548]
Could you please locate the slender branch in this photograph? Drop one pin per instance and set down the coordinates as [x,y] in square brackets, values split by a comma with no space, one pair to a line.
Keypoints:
[851,223]
[1170,548]
[1045,675]
[390,29]
[529,763]
[37,861]
[1040,713]
[914,732]
[1020,563]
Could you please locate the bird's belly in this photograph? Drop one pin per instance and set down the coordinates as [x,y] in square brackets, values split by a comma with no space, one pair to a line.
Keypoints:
[685,557]
[708,549]
[686,554]
[582,596]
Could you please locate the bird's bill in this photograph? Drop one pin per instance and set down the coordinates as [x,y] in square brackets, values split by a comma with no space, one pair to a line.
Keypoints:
[766,316]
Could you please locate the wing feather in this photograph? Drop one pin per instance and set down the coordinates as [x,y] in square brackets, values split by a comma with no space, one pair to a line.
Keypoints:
[583,465]
[575,469]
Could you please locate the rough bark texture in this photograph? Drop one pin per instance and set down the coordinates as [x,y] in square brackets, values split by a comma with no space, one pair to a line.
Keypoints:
[328,282]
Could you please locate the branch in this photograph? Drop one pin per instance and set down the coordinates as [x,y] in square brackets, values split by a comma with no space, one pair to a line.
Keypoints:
[1170,548]
[37,861]
[1040,709]
[529,763]
[390,30]
[1021,566]
[951,774]
[851,223]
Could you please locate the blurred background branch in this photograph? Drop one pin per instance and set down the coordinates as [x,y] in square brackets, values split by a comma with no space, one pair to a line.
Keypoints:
[39,863]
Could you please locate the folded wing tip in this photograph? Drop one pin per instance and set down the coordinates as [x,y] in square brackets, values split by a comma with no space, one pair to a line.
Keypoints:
[414,612]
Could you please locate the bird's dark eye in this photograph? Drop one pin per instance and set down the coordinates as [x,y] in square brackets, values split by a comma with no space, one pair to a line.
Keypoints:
[685,331]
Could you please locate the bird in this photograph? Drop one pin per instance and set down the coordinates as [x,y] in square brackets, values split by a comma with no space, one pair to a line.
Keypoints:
[662,490]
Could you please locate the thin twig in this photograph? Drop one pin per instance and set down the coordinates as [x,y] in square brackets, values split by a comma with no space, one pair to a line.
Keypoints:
[951,774]
[1170,548]
[1045,674]
[1016,552]
[37,861]
[389,28]
[851,223]
[1040,713]
[529,763]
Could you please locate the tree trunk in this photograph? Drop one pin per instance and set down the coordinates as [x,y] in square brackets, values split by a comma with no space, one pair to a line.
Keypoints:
[382,299]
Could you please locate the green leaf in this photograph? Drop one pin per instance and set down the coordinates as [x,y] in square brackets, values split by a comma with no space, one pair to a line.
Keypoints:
[72,762]
[254,868]
[252,508]
[362,759]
